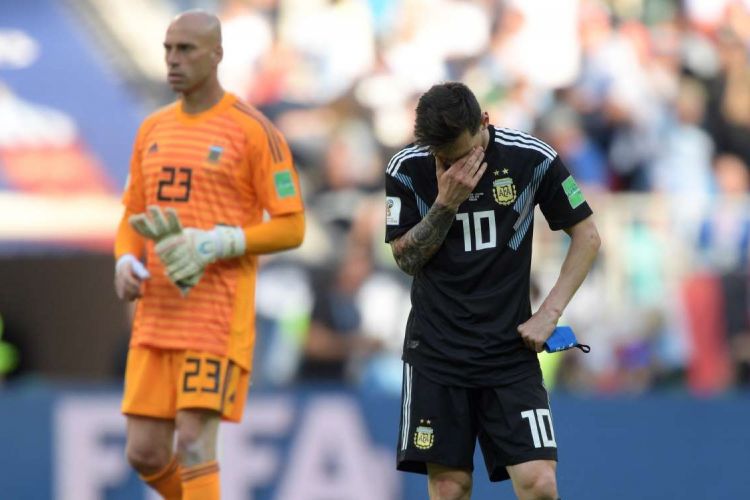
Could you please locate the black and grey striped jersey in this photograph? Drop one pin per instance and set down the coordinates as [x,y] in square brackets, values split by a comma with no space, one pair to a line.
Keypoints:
[468,300]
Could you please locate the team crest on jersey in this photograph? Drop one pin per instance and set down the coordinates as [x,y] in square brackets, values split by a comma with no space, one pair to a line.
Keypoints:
[424,435]
[504,190]
[214,154]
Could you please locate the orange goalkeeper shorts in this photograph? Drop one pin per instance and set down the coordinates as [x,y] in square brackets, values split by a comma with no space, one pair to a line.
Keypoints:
[159,382]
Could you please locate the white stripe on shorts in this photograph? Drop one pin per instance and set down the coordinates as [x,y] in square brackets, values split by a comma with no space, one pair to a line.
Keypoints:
[406,406]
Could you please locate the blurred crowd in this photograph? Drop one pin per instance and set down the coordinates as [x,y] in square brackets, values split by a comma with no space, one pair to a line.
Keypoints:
[646,101]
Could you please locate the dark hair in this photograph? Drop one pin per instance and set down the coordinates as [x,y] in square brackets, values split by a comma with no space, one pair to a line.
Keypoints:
[444,112]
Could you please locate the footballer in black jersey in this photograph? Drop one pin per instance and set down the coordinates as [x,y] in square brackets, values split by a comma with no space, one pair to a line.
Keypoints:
[460,205]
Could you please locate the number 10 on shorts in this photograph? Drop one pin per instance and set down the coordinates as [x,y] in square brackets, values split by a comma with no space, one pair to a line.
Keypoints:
[540,422]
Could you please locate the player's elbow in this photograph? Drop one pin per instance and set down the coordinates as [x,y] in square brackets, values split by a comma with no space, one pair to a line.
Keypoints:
[296,240]
[402,262]
[593,239]
[409,266]
[410,270]
[587,234]
[297,230]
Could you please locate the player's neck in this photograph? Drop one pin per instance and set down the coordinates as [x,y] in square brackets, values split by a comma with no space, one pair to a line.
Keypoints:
[485,137]
[202,98]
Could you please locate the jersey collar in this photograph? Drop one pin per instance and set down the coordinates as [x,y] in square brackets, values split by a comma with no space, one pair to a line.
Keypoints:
[227,100]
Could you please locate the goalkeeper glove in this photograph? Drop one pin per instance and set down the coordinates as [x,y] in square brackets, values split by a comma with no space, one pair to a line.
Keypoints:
[188,253]
[159,226]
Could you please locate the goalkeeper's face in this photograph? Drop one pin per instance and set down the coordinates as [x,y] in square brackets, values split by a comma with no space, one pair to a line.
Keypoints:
[192,51]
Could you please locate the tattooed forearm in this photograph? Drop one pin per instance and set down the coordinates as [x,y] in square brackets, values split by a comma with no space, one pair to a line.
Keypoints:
[416,247]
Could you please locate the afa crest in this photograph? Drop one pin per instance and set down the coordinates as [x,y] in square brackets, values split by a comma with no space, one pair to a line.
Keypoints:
[504,191]
[424,436]
[214,154]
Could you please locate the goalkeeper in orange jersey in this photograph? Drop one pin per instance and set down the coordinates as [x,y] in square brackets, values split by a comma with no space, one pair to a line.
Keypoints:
[202,173]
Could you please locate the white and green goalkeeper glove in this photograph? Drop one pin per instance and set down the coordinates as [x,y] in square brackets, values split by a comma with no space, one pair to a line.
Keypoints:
[159,225]
[156,225]
[186,252]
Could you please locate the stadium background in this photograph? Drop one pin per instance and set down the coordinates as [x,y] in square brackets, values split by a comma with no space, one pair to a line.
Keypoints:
[647,101]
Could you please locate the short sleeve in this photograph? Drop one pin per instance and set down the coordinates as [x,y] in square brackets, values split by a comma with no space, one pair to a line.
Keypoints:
[278,183]
[401,209]
[561,200]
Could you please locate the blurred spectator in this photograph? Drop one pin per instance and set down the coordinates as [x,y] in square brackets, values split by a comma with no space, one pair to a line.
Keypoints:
[535,41]
[315,29]
[384,300]
[247,36]
[351,167]
[734,287]
[335,343]
[724,236]
[283,304]
[682,166]
[561,128]
[725,243]
[728,118]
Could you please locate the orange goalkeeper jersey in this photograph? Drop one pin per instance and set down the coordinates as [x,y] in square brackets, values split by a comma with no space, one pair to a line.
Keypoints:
[223,166]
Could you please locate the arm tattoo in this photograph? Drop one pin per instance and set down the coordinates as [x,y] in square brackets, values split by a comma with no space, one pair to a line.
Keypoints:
[419,244]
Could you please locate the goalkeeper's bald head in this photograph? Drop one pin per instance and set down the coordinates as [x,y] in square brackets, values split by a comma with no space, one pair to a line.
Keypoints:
[193,50]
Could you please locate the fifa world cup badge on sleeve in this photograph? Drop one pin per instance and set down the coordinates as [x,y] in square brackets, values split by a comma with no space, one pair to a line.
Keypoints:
[573,192]
[392,210]
[284,184]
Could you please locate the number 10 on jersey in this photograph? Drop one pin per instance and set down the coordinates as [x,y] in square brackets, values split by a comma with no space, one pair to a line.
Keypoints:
[479,240]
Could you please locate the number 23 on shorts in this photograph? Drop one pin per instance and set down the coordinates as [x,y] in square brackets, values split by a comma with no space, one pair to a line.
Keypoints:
[206,381]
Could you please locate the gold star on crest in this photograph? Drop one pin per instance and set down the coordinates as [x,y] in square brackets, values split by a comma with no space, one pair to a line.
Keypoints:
[505,171]
[497,172]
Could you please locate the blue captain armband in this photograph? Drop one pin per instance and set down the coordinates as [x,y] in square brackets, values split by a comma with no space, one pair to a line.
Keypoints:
[562,339]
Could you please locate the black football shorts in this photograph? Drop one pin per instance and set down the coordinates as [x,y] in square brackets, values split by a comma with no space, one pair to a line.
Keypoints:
[441,424]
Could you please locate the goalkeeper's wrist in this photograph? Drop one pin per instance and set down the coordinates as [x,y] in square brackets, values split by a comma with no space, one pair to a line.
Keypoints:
[124,259]
[136,266]
[229,241]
